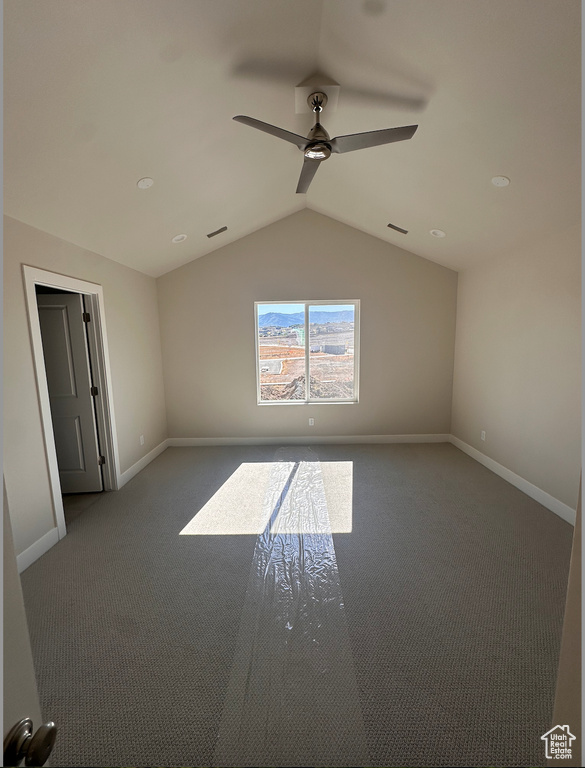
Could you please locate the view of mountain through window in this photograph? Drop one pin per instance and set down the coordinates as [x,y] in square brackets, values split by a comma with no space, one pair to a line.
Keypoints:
[307,351]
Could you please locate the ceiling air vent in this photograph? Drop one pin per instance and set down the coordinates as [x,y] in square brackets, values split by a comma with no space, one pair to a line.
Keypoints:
[217,232]
[398,229]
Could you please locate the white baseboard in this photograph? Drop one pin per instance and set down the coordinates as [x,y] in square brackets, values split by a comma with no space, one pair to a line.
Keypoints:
[50,538]
[305,439]
[141,463]
[37,549]
[542,497]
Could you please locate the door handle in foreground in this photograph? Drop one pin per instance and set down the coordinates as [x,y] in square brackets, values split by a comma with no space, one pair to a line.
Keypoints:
[20,743]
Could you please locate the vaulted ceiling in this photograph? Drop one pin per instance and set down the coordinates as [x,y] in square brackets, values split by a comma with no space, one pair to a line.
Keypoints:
[100,93]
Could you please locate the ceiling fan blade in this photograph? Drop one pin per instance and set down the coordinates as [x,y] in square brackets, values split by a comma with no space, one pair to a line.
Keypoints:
[386,99]
[355,141]
[299,141]
[289,71]
[279,70]
[308,171]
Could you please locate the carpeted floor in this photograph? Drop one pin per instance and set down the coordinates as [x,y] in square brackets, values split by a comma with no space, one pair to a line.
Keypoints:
[74,504]
[425,634]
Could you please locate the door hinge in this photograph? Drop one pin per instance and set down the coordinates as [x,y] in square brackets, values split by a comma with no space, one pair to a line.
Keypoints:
[86,317]
[101,460]
[94,391]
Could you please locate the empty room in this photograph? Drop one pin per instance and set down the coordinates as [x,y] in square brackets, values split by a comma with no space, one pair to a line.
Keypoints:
[292,382]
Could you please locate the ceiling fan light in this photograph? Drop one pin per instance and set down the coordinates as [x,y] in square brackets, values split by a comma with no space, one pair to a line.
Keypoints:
[317,152]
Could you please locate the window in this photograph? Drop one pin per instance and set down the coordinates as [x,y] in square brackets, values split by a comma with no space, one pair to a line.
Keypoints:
[307,341]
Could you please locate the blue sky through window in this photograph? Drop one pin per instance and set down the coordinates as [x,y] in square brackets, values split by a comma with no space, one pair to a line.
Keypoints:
[330,308]
[283,309]
[289,309]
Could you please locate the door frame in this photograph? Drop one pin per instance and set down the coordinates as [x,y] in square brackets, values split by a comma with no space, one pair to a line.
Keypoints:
[98,345]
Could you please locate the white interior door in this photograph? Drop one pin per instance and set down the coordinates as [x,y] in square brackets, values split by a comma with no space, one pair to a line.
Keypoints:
[20,688]
[69,382]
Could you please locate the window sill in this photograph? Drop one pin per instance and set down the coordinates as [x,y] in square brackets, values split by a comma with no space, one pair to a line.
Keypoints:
[308,402]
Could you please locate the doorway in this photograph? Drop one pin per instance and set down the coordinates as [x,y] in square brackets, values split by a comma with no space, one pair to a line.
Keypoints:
[66,318]
[73,393]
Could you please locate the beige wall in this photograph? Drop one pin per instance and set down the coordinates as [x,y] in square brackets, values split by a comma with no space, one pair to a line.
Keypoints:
[518,362]
[408,309]
[134,344]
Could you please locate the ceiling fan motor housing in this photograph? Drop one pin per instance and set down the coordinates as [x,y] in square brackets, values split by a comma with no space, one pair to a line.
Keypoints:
[317,149]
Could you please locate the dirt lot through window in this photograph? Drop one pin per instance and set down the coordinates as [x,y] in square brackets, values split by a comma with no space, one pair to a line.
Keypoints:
[283,376]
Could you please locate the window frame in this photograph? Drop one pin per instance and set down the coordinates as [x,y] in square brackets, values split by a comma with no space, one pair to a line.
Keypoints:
[356,352]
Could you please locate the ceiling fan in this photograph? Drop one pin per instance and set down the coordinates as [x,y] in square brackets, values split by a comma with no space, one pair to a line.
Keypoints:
[317,146]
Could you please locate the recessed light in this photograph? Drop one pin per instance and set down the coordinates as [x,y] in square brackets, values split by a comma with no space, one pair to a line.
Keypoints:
[500,181]
[144,183]
[179,238]
[437,232]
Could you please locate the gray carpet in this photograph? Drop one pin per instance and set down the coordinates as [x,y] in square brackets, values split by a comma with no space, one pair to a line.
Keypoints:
[451,581]
[74,504]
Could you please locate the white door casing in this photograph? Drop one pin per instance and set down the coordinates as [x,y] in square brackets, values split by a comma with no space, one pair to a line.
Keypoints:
[33,276]
[69,381]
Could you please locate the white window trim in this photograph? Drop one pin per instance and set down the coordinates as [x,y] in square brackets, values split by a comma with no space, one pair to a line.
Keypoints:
[356,351]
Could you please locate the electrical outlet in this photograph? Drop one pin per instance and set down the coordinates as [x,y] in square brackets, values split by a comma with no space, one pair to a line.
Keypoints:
[141,439]
[311,422]
[482,434]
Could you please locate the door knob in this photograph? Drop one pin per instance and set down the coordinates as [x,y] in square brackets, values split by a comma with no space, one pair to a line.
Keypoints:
[20,742]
